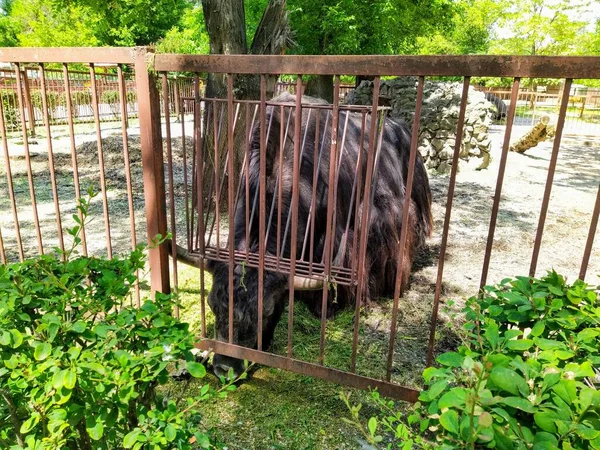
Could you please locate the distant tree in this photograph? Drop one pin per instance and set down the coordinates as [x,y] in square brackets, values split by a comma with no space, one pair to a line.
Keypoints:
[471,31]
[363,27]
[541,27]
[8,37]
[188,36]
[37,23]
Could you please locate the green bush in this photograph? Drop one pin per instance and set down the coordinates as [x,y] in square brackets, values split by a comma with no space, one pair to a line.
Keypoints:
[526,376]
[10,102]
[80,367]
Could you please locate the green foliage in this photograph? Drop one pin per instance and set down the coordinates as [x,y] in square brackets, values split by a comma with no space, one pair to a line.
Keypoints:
[10,102]
[525,377]
[538,27]
[188,36]
[80,366]
[365,27]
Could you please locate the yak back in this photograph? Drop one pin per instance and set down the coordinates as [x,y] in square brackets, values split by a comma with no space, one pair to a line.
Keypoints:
[388,188]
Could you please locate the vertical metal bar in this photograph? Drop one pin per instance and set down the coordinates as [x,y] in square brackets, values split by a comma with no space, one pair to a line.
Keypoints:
[451,186]
[590,239]
[313,198]
[294,205]
[364,219]
[152,164]
[509,124]
[262,205]
[194,178]
[69,103]
[165,87]
[9,180]
[230,189]
[176,95]
[330,230]
[28,161]
[28,103]
[123,100]
[199,143]
[356,193]
[61,243]
[216,175]
[551,169]
[96,111]
[188,226]
[282,139]
[405,223]
[247,179]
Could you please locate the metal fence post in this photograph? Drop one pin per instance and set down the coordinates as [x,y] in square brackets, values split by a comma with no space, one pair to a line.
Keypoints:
[152,164]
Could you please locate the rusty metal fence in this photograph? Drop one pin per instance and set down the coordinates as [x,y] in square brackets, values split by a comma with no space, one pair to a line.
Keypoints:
[195,198]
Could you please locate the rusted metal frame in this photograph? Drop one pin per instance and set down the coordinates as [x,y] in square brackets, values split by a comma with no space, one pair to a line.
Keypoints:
[442,65]
[405,222]
[590,239]
[96,111]
[28,161]
[59,232]
[67,55]
[262,207]
[294,205]
[551,169]
[364,219]
[74,156]
[165,88]
[313,370]
[509,124]
[247,177]
[277,178]
[9,180]
[188,220]
[199,145]
[356,196]
[123,100]
[329,230]
[28,103]
[450,199]
[230,188]
[216,176]
[153,170]
[194,178]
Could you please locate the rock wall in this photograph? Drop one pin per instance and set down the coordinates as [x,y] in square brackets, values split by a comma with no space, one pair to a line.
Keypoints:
[439,118]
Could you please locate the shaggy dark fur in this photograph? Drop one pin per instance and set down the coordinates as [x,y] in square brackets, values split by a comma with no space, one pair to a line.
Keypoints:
[384,229]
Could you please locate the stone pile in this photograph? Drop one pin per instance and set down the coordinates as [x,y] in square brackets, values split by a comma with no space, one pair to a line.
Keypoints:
[439,118]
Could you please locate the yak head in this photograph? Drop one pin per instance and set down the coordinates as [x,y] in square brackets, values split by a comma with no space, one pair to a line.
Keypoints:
[245,309]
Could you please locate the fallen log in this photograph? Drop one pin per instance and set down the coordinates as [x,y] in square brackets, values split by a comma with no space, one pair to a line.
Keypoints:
[541,131]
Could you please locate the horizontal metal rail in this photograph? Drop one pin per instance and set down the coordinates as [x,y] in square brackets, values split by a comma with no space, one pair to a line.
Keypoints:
[472,65]
[68,55]
[313,370]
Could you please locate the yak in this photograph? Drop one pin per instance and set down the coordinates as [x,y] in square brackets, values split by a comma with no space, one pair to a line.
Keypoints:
[385,224]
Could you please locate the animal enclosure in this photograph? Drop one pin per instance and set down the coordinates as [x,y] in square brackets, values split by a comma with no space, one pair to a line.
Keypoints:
[195,167]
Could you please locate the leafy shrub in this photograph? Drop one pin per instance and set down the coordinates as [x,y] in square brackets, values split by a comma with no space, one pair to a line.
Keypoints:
[525,377]
[10,102]
[80,367]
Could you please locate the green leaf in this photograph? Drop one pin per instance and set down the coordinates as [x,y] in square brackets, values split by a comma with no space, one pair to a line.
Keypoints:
[79,326]
[17,338]
[545,420]
[519,344]
[30,423]
[538,328]
[508,380]
[451,359]
[520,403]
[58,379]
[42,351]
[170,432]
[485,419]
[453,398]
[195,369]
[70,379]
[5,338]
[449,420]
[372,426]
[436,389]
[131,438]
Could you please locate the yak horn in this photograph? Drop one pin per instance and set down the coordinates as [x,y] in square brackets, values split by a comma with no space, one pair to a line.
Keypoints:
[308,284]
